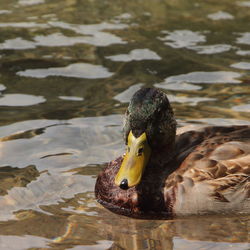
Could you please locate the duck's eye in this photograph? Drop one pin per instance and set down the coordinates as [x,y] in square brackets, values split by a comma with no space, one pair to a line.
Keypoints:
[128,148]
[140,151]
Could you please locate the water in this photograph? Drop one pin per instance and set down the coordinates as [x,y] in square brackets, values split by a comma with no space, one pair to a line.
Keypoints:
[67,72]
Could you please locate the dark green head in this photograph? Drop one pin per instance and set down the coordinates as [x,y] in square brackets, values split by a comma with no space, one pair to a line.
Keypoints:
[149,111]
[149,132]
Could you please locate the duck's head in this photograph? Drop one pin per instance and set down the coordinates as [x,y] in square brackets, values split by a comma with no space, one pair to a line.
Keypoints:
[149,133]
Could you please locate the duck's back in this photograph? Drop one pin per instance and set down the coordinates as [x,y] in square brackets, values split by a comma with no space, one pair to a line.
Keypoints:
[214,173]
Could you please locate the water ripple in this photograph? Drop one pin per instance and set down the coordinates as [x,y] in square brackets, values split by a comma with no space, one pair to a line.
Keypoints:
[123,16]
[177,86]
[242,108]
[244,3]
[89,29]
[244,39]
[20,100]
[126,95]
[11,242]
[17,44]
[96,33]
[36,193]
[24,25]
[205,77]
[182,38]
[2,87]
[220,15]
[135,55]
[30,2]
[78,70]
[211,49]
[243,52]
[241,65]
[193,101]
[5,12]
[58,39]
[71,98]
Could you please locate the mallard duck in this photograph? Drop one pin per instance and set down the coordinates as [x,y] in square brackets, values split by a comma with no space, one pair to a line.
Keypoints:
[163,174]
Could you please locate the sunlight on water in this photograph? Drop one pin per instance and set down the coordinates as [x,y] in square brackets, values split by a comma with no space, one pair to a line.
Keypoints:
[17,43]
[220,15]
[30,2]
[211,49]
[96,35]
[182,38]
[71,98]
[2,87]
[22,242]
[244,38]
[135,55]
[244,3]
[241,65]
[68,70]
[205,77]
[20,100]
[79,70]
[23,25]
[126,95]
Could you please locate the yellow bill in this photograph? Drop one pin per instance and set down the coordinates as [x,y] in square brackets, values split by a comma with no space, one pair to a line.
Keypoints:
[134,162]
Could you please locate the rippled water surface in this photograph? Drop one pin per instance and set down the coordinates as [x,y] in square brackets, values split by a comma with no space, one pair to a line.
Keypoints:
[67,71]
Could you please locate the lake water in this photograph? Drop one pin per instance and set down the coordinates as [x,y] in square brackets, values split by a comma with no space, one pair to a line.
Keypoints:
[67,71]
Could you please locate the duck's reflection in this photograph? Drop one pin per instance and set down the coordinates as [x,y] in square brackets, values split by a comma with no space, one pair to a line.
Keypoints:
[127,233]
[79,222]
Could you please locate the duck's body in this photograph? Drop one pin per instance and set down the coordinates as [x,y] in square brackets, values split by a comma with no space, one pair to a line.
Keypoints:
[198,172]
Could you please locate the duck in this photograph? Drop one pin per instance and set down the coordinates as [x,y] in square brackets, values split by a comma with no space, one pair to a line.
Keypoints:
[163,174]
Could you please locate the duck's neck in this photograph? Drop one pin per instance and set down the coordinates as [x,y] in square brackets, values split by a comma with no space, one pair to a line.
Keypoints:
[160,157]
[150,189]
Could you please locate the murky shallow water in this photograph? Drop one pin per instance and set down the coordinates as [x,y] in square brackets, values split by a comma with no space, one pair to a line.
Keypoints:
[67,72]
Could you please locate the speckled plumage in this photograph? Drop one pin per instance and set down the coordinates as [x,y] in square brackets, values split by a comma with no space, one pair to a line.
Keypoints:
[197,172]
